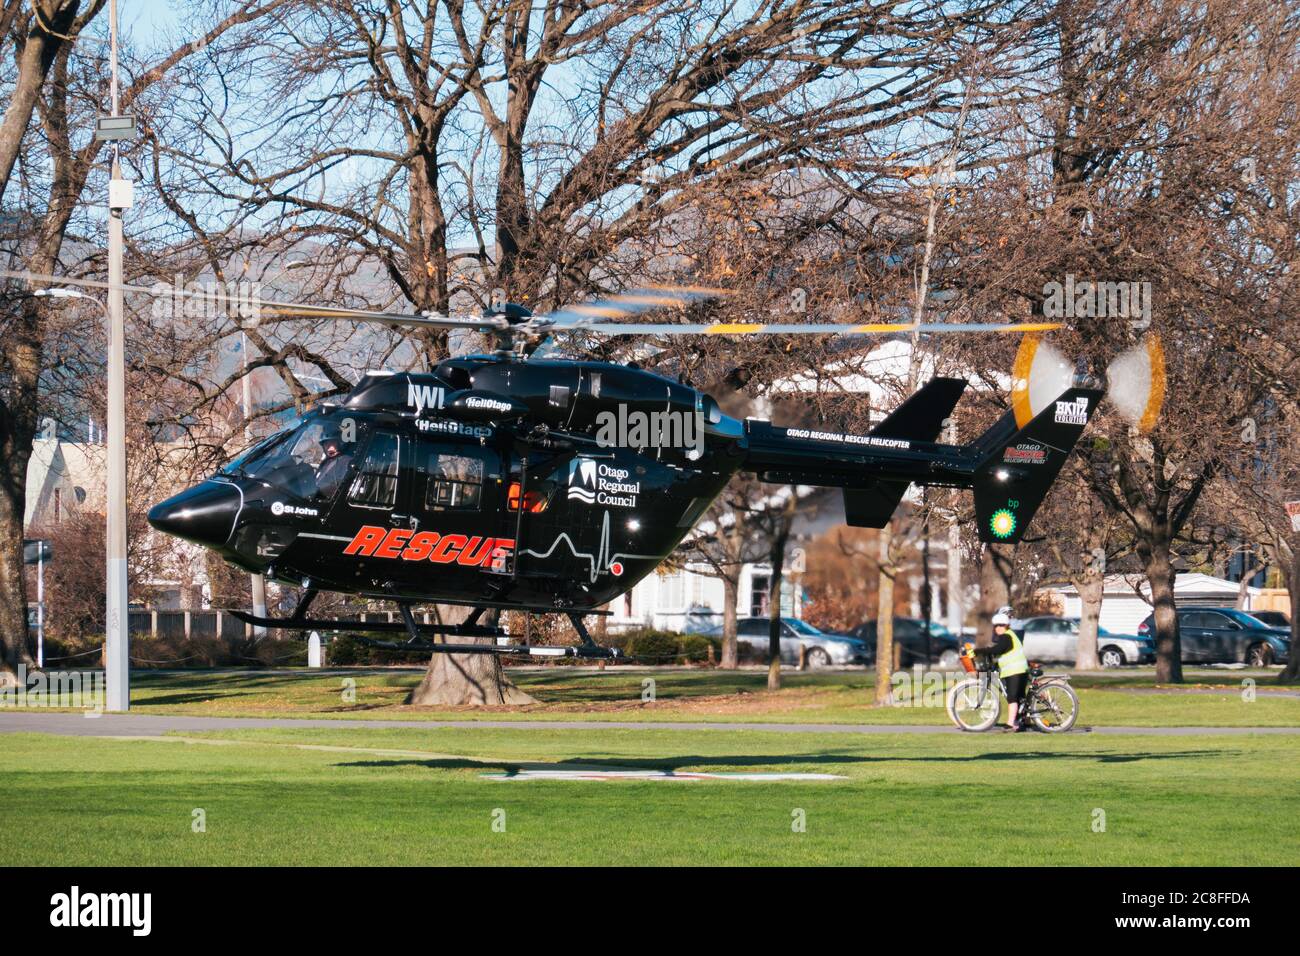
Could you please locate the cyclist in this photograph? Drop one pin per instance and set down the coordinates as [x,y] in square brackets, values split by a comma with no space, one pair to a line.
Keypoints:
[1012,665]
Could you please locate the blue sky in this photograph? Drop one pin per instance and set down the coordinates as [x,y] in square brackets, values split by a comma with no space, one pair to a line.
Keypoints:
[142,18]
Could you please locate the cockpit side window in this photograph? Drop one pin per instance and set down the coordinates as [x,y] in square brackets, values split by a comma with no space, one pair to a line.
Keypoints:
[285,461]
[375,485]
[455,482]
[307,446]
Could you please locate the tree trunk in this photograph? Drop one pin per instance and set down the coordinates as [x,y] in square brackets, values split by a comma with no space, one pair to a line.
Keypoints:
[885,620]
[478,680]
[1243,586]
[774,609]
[13,592]
[996,566]
[1291,674]
[17,430]
[731,594]
[1090,595]
[50,30]
[1160,573]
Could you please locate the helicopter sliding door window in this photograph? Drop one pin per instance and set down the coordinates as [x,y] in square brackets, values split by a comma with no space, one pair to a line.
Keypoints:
[455,482]
[376,483]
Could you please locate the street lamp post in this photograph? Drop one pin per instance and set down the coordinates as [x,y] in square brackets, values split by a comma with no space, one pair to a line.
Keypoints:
[258,580]
[117,664]
[116,652]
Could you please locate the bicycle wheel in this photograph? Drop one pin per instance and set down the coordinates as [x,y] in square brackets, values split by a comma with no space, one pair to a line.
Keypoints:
[1054,707]
[974,704]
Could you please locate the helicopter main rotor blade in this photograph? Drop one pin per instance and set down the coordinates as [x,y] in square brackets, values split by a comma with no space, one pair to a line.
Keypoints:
[625,304]
[811,328]
[264,310]
[585,317]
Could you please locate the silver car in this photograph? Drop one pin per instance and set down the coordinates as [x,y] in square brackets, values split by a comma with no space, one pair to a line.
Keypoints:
[1057,639]
[824,650]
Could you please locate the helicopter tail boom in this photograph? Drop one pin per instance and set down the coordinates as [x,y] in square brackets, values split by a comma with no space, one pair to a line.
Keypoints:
[1010,469]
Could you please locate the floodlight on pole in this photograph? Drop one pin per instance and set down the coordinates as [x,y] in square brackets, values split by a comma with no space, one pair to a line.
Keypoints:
[63,293]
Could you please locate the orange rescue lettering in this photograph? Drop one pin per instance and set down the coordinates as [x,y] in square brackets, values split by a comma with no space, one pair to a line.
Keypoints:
[390,543]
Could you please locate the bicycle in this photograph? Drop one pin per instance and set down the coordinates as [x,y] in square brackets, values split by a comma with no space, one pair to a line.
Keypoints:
[1050,703]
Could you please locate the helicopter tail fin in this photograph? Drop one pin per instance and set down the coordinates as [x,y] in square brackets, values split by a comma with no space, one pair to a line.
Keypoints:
[1016,466]
[920,418]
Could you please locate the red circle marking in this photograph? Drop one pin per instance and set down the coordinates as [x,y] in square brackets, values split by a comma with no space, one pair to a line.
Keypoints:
[616,569]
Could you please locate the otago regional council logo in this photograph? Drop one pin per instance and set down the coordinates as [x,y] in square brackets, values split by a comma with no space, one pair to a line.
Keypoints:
[1003,523]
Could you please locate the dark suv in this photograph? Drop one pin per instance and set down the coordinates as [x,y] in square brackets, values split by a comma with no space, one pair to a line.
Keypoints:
[1224,635]
[1272,618]
[943,648]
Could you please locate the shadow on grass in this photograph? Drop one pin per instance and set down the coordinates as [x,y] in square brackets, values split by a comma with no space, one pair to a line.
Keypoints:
[695,762]
[230,687]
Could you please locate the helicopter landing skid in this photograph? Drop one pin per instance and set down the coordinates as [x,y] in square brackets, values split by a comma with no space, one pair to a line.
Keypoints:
[587,649]
[306,624]
[505,650]
[414,645]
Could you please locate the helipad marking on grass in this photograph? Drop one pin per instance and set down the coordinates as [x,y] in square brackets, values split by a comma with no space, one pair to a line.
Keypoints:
[654,775]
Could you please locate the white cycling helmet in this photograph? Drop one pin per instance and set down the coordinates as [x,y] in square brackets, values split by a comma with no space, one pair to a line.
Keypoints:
[1002,616]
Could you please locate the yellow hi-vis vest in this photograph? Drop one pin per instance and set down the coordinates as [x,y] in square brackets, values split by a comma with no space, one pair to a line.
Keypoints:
[1013,662]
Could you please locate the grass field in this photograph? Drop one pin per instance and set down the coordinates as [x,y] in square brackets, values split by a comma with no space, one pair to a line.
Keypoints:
[374,795]
[418,797]
[1124,699]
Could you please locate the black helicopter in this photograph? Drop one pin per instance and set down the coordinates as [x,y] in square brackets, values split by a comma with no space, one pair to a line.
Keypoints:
[503,481]
[554,485]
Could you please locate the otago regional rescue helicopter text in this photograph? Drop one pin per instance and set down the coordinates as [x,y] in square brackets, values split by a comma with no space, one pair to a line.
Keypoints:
[492,480]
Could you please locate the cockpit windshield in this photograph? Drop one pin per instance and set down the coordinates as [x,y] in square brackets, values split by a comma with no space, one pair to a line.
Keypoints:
[289,460]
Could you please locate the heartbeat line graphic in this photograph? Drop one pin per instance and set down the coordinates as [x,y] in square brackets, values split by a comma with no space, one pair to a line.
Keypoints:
[600,562]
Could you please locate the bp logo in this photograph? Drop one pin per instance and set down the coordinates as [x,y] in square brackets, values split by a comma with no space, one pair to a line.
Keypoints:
[1003,523]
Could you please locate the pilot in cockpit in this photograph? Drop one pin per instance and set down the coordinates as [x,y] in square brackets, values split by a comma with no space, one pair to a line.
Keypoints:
[333,467]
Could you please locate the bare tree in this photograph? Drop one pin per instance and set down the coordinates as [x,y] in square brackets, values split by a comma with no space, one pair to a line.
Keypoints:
[65,103]
[1107,189]
[39,36]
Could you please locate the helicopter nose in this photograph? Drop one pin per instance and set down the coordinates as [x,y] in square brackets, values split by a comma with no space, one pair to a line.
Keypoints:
[204,514]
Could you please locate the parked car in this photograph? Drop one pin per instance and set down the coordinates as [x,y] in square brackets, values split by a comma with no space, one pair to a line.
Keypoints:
[943,647]
[824,649]
[1224,635]
[1049,638]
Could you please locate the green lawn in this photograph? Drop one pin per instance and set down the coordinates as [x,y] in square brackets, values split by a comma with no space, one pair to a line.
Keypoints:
[681,694]
[415,796]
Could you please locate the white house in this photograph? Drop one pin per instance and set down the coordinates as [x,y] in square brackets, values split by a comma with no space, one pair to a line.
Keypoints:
[61,477]
[1126,598]
[691,599]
